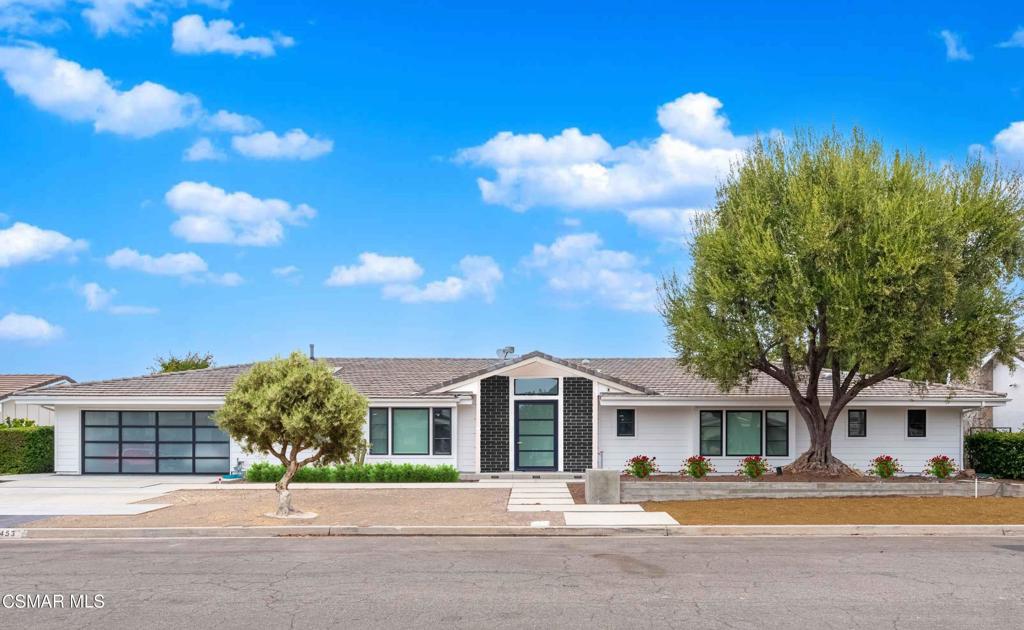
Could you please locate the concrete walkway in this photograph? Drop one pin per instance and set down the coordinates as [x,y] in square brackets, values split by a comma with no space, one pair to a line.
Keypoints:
[554,496]
[96,495]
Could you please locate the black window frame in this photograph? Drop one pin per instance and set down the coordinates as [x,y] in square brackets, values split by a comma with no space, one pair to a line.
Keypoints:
[558,385]
[430,433]
[433,431]
[924,418]
[156,442]
[760,440]
[863,421]
[764,431]
[619,420]
[721,432]
[386,442]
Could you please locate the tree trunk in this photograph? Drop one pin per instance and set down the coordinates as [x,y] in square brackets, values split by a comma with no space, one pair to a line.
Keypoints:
[818,458]
[284,495]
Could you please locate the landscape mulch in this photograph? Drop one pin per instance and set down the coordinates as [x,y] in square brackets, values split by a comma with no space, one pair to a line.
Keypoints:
[846,511]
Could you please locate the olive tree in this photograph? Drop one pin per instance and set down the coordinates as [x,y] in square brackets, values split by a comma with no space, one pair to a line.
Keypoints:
[830,265]
[297,411]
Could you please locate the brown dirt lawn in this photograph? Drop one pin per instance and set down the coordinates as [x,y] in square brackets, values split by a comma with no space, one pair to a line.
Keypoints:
[846,511]
[484,506]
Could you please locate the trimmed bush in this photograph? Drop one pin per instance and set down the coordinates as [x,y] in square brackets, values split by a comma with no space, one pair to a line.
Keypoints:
[384,472]
[997,454]
[26,449]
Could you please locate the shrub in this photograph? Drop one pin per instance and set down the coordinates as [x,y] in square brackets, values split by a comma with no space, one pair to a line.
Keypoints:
[697,466]
[641,466]
[26,449]
[940,467]
[753,467]
[384,472]
[884,466]
[17,422]
[997,454]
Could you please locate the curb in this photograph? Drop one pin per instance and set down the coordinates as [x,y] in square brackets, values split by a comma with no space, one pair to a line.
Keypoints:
[274,531]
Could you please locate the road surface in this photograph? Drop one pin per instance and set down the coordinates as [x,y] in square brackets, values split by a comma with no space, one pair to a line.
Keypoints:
[443,582]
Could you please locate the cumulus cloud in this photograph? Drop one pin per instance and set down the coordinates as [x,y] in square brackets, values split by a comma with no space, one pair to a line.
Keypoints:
[24,243]
[75,93]
[578,171]
[1016,40]
[17,327]
[231,122]
[31,17]
[673,225]
[124,17]
[183,264]
[194,36]
[955,49]
[579,265]
[203,150]
[375,269]
[479,276]
[99,299]
[288,271]
[212,215]
[293,145]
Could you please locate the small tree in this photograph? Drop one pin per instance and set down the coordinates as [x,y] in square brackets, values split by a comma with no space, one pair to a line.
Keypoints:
[830,266]
[295,410]
[189,361]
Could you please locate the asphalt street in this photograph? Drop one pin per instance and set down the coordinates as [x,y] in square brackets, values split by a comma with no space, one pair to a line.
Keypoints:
[434,582]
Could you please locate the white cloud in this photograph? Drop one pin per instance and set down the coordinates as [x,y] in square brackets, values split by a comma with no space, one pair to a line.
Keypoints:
[124,17]
[577,171]
[16,327]
[375,269]
[480,277]
[183,264]
[72,92]
[31,17]
[194,36]
[955,49]
[285,272]
[202,150]
[293,145]
[212,215]
[1010,141]
[572,222]
[229,279]
[577,264]
[231,122]
[669,224]
[23,243]
[1016,40]
[99,299]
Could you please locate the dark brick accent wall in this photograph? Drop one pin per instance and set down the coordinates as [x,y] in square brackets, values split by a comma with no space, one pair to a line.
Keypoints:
[577,423]
[494,424]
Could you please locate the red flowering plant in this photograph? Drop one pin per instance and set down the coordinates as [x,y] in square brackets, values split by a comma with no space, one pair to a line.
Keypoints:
[641,466]
[697,466]
[940,467]
[884,466]
[753,467]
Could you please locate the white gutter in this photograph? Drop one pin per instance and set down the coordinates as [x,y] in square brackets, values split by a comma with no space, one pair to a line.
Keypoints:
[208,401]
[607,400]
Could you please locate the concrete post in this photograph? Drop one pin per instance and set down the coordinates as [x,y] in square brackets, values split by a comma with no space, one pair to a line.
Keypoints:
[602,486]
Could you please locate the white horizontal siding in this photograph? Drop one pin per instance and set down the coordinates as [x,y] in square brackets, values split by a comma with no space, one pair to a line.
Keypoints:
[661,432]
[67,440]
[467,438]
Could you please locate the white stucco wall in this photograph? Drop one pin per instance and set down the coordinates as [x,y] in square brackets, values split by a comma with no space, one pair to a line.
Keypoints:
[1012,414]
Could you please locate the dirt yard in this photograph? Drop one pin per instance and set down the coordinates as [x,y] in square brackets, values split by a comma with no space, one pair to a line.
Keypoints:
[484,506]
[772,477]
[846,511]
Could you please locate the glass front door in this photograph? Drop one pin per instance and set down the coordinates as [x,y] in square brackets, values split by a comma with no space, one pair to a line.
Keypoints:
[536,435]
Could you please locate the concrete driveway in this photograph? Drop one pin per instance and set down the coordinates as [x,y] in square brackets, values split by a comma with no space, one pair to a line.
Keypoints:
[74,495]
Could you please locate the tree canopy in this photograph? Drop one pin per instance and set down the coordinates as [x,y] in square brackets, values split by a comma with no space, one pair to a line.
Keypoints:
[829,253]
[188,361]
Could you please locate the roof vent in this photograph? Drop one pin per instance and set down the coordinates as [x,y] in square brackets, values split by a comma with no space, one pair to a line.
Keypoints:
[312,354]
[506,352]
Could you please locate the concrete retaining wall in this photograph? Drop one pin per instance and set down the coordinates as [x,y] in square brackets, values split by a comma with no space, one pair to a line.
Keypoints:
[637,491]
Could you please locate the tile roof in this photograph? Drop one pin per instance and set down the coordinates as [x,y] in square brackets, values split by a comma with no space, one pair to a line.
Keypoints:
[411,377]
[11,383]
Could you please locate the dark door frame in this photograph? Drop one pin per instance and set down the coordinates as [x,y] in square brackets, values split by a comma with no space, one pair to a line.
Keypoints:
[554,435]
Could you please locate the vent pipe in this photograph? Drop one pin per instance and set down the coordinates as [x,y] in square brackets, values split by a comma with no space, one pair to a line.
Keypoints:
[312,355]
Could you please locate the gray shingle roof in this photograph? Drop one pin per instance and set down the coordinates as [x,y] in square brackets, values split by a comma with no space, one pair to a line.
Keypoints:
[411,377]
[11,383]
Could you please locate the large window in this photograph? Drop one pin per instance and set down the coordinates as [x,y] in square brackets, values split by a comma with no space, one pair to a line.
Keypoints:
[711,433]
[151,442]
[625,423]
[442,431]
[776,433]
[917,423]
[742,433]
[857,423]
[379,431]
[536,387]
[410,431]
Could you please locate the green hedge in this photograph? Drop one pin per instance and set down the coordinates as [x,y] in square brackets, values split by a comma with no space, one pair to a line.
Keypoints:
[26,450]
[356,473]
[997,454]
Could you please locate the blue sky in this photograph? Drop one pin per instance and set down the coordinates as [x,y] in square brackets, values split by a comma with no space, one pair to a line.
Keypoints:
[422,178]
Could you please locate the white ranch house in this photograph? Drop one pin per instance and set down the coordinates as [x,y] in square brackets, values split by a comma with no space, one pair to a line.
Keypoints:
[531,413]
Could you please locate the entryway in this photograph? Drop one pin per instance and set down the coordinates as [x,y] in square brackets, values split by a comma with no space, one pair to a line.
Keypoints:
[536,436]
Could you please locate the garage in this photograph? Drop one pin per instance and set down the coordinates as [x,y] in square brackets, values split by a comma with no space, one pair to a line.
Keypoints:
[153,442]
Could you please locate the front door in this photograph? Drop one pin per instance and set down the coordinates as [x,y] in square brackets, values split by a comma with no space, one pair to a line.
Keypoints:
[536,435]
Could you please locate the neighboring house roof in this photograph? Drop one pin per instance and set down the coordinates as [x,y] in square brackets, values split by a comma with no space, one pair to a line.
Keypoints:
[12,383]
[418,377]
